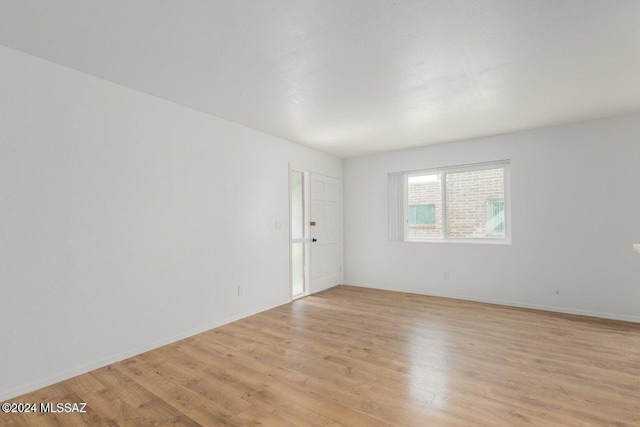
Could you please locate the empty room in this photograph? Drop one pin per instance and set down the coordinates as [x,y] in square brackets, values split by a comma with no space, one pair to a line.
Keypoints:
[320,213]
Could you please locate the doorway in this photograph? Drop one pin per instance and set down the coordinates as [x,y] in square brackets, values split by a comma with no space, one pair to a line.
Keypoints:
[316,232]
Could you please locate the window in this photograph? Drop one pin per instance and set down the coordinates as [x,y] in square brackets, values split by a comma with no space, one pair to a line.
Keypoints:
[462,203]
[424,207]
[422,214]
[495,216]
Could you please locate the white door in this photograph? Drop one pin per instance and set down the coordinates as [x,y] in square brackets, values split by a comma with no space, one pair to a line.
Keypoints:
[325,232]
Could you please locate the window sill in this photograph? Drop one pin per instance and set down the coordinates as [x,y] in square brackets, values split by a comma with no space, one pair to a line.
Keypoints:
[470,241]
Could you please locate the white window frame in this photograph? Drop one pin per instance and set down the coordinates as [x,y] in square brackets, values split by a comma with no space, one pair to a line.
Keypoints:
[504,164]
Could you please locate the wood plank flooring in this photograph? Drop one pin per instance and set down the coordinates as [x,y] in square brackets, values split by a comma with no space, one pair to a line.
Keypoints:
[361,357]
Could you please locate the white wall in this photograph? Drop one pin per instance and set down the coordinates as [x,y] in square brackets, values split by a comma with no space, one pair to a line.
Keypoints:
[127,222]
[575,216]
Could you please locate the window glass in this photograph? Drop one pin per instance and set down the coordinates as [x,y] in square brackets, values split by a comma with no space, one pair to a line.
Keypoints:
[297,268]
[424,212]
[468,202]
[475,204]
[297,204]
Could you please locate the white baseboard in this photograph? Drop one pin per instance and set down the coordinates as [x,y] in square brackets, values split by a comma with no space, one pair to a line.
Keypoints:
[555,309]
[9,394]
[27,388]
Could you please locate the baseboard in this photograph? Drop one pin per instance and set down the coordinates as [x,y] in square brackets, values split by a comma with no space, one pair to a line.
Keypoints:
[555,309]
[325,289]
[9,394]
[18,391]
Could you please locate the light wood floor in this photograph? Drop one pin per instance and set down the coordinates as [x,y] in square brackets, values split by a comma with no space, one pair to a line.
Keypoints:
[361,357]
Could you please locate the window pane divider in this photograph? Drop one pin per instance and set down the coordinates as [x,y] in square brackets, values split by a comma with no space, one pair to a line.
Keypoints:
[474,203]
[443,203]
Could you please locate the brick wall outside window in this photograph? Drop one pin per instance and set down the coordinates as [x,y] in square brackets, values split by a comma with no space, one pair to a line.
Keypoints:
[426,193]
[468,194]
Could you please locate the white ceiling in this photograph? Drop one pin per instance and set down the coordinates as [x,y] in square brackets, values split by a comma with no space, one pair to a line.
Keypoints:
[351,77]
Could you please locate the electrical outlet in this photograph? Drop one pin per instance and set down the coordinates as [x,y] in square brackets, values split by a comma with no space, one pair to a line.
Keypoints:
[240,290]
[446,275]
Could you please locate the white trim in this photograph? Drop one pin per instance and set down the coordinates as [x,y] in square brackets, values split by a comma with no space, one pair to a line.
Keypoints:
[443,208]
[455,168]
[507,202]
[306,240]
[290,233]
[471,240]
[443,171]
[509,303]
[18,391]
[405,207]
